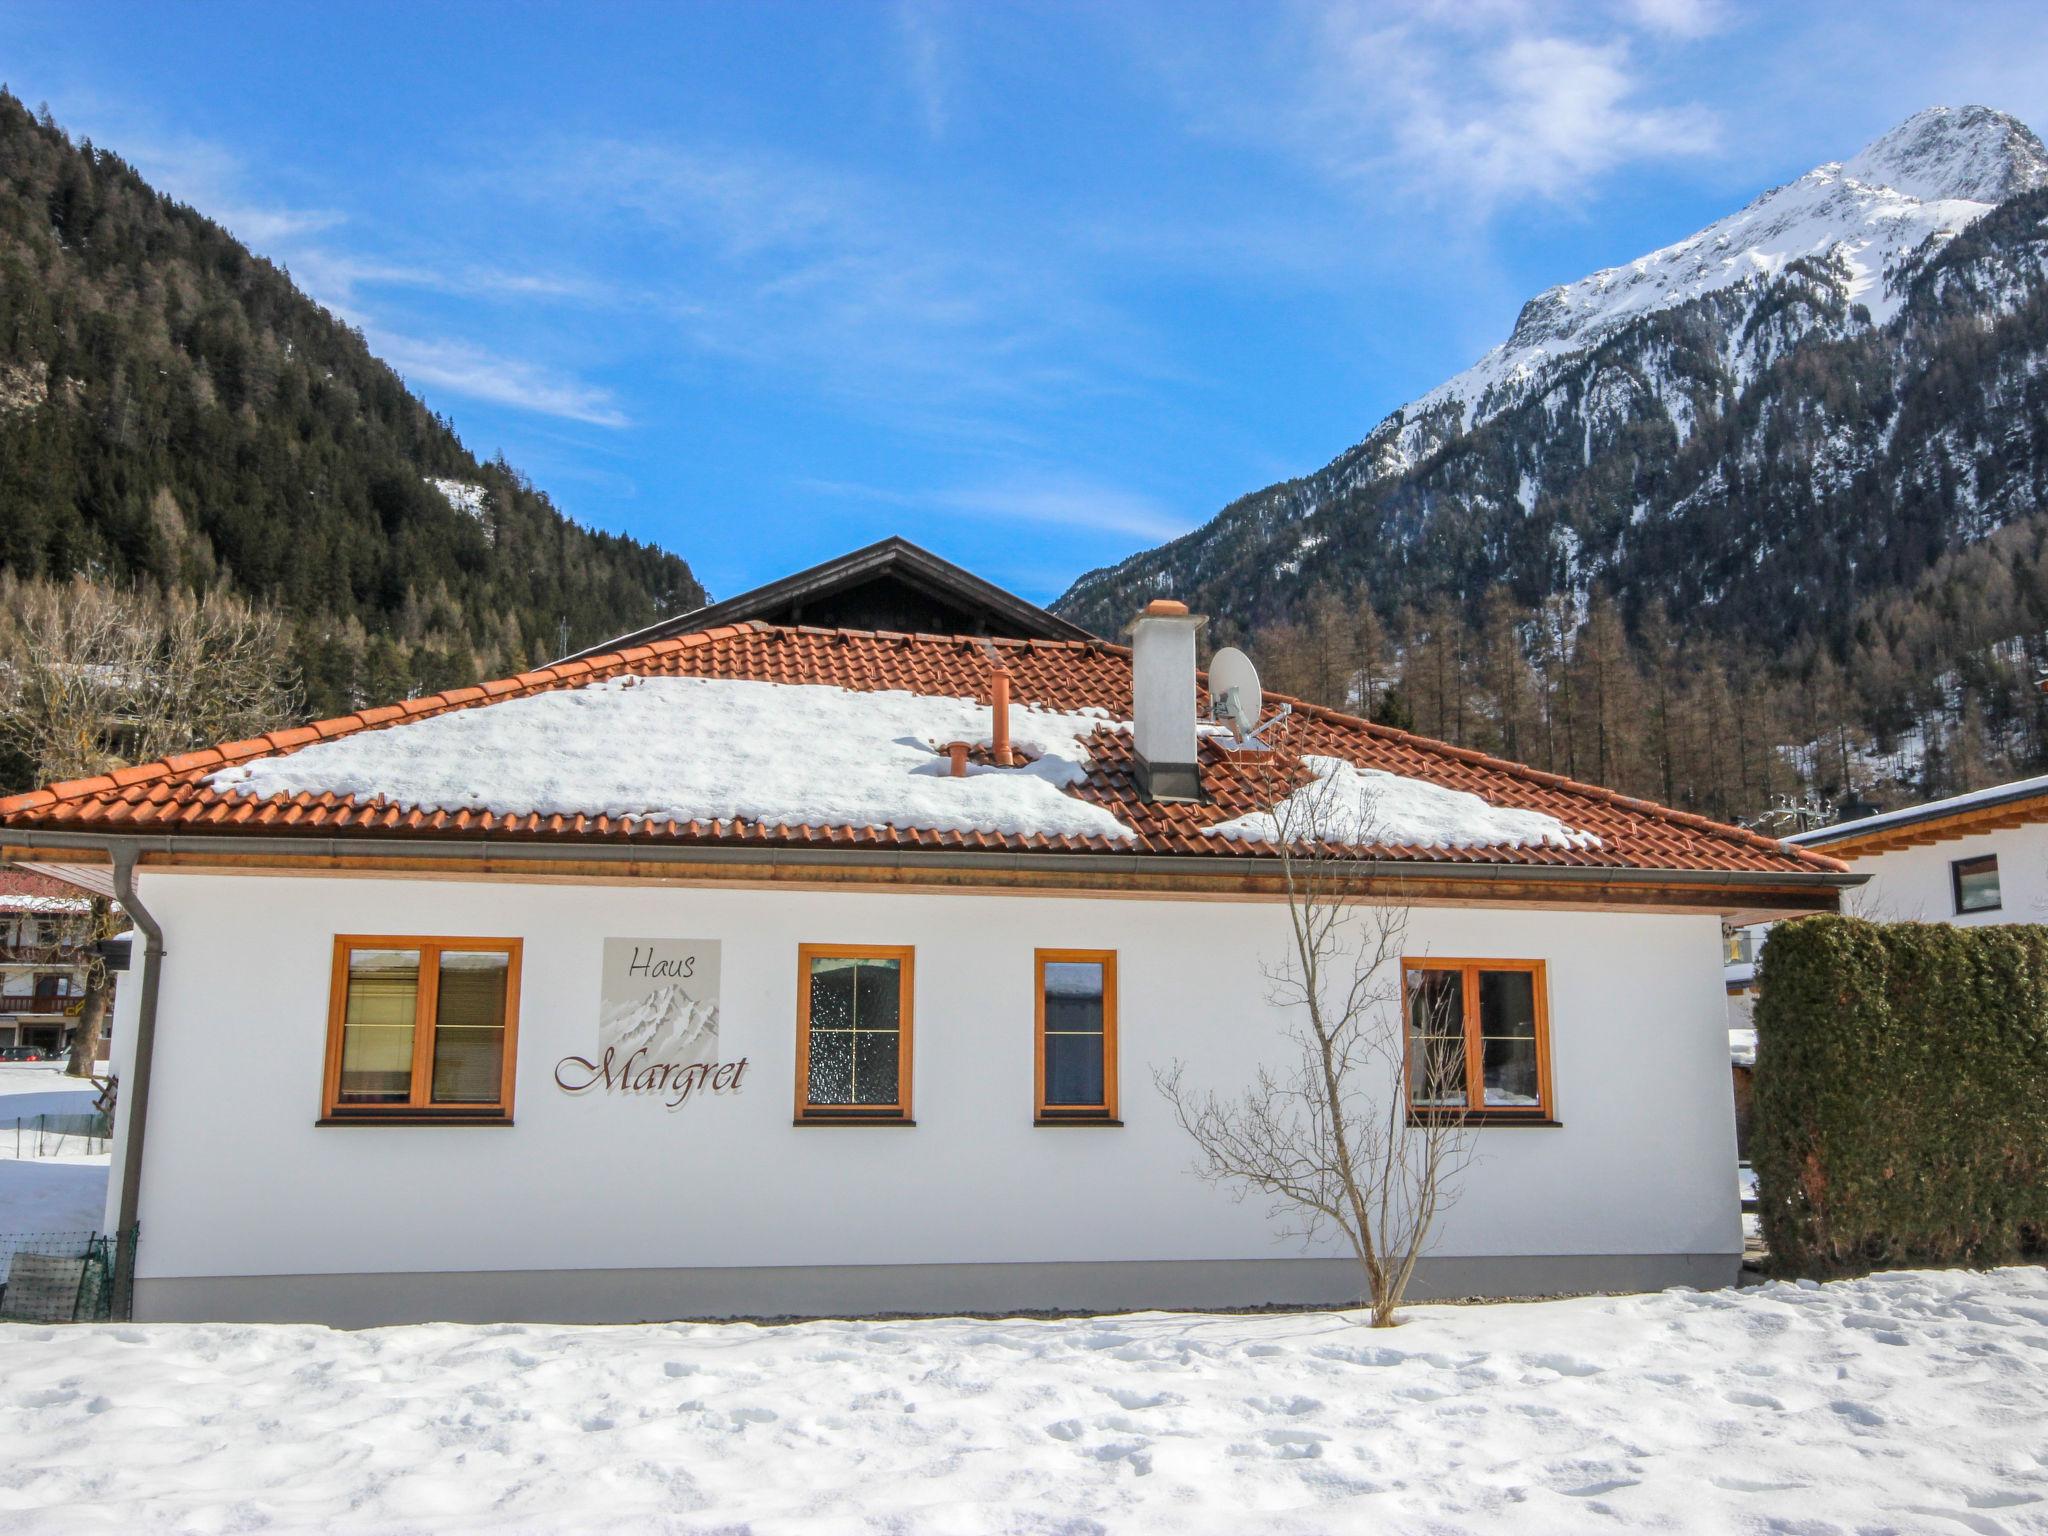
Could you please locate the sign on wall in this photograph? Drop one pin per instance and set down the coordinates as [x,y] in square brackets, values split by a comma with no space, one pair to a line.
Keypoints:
[657,1024]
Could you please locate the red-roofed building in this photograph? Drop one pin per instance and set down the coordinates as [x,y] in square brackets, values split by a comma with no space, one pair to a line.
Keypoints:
[736,971]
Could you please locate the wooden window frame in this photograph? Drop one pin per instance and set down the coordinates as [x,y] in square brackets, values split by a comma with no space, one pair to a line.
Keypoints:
[1475,1110]
[898,1113]
[421,1110]
[1104,1113]
[1955,884]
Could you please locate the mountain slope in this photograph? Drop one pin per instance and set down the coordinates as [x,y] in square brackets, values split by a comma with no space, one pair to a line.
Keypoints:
[173,409]
[1801,405]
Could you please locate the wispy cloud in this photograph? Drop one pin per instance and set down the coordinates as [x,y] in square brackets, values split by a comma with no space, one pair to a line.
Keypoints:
[483,375]
[924,64]
[860,287]
[1476,106]
[1049,499]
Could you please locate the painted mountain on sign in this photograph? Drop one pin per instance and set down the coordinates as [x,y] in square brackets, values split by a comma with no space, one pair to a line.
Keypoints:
[1806,403]
[671,1024]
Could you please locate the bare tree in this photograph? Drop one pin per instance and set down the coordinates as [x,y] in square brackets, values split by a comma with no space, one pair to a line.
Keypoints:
[1365,1131]
[93,676]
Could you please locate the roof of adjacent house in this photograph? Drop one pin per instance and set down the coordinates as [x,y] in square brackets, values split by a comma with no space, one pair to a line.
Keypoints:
[1070,696]
[890,584]
[23,890]
[1981,810]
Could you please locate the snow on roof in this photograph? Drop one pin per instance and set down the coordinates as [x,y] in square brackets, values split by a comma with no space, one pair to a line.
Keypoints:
[1365,807]
[712,749]
[15,902]
[698,749]
[1976,799]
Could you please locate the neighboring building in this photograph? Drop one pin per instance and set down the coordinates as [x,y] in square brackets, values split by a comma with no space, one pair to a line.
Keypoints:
[892,584]
[42,969]
[1970,859]
[706,977]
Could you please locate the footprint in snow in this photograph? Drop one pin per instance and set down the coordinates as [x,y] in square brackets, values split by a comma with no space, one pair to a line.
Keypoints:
[679,1368]
[1565,1365]
[1293,1407]
[1123,1397]
[1294,1444]
[1857,1413]
[1595,1490]
[1752,1485]
[1754,1400]
[742,1417]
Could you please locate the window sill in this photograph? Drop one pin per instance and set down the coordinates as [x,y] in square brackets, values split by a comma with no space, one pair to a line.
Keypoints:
[808,1120]
[424,1118]
[1488,1118]
[1109,1120]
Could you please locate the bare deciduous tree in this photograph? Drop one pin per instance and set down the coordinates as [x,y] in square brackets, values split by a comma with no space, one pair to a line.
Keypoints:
[1330,1138]
[93,676]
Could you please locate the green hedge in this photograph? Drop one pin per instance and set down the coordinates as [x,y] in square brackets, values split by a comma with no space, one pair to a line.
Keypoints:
[1900,1114]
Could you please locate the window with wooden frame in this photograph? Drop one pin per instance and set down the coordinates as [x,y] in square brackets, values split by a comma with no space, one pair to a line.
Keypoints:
[1076,1036]
[1975,884]
[422,1030]
[1477,1041]
[853,1035]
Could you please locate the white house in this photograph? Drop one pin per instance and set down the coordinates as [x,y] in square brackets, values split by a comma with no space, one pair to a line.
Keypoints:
[767,968]
[1971,859]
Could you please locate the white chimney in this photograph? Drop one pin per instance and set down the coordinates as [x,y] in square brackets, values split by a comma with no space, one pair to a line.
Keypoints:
[1163,693]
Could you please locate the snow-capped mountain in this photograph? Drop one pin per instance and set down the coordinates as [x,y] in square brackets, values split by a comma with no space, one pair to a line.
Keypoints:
[669,1022]
[1934,174]
[1635,412]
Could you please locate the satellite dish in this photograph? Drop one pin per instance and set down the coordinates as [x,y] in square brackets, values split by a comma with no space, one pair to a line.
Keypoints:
[1235,697]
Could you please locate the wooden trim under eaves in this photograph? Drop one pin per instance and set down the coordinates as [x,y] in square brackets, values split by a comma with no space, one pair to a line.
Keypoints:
[1939,829]
[1623,890]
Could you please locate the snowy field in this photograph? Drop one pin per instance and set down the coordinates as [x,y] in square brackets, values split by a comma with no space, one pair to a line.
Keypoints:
[30,1088]
[65,1193]
[1905,1402]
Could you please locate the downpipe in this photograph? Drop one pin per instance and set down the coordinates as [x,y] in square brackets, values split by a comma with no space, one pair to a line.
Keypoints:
[134,1094]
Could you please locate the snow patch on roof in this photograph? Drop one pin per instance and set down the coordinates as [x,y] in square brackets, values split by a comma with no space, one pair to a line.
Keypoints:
[1366,807]
[702,749]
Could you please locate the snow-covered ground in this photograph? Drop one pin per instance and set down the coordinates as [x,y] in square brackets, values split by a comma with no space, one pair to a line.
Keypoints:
[1904,1402]
[30,1088]
[63,1193]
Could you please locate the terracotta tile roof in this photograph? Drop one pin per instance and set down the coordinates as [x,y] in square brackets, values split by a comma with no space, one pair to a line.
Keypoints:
[1056,674]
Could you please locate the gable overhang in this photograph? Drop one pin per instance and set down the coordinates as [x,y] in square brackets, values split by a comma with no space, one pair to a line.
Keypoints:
[893,558]
[1928,825]
[1735,895]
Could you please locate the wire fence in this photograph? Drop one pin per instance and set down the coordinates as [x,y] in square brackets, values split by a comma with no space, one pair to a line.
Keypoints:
[64,1277]
[56,1135]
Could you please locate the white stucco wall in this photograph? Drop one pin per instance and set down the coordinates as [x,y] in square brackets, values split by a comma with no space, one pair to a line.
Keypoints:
[1912,884]
[238,1180]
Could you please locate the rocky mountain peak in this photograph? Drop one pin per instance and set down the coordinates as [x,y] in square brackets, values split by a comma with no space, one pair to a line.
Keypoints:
[1971,153]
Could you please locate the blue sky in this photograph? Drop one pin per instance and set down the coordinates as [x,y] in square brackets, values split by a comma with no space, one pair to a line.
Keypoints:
[1035,286]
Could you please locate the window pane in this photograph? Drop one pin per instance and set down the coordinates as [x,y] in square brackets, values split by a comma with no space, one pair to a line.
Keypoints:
[1073,1043]
[1977,884]
[1436,1037]
[831,1079]
[377,1026]
[1509,1067]
[1507,1004]
[877,995]
[874,1066]
[855,1047]
[469,1026]
[1073,1069]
